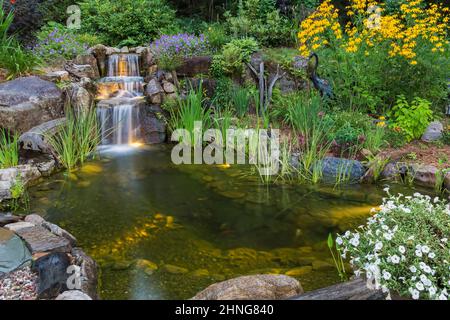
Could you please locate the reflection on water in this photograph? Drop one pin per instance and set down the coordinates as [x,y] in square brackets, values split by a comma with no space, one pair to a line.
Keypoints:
[164,232]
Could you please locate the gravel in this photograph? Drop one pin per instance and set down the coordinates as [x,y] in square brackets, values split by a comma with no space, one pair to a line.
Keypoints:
[19,285]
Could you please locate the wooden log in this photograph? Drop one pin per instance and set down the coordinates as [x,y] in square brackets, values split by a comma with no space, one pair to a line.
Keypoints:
[352,290]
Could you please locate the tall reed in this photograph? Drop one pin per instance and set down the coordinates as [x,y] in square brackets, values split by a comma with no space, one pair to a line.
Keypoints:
[9,149]
[77,139]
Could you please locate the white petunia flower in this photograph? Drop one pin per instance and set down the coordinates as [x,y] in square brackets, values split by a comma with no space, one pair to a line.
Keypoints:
[378,245]
[395,259]
[415,294]
[413,269]
[419,253]
[339,241]
[425,249]
[431,255]
[402,249]
[420,286]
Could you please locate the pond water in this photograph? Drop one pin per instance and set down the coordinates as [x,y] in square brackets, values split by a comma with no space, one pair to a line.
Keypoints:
[160,231]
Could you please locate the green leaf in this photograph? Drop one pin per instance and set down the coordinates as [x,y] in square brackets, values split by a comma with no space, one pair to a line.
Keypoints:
[330,241]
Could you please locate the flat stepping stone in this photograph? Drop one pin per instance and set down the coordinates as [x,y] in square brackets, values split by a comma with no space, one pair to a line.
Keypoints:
[13,252]
[18,226]
[39,239]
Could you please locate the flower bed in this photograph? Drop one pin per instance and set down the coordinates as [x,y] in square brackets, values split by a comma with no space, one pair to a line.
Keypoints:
[404,247]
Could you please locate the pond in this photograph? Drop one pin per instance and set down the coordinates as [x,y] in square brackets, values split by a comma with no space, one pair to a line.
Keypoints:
[160,231]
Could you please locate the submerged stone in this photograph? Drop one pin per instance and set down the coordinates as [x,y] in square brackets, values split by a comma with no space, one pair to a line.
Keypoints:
[147,266]
[300,271]
[174,269]
[200,273]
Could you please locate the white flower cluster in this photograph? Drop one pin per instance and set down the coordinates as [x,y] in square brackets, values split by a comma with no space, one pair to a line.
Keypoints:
[404,247]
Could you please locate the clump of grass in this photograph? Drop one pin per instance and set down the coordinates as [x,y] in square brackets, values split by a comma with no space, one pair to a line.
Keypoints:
[376,165]
[337,258]
[440,175]
[241,100]
[9,149]
[19,196]
[77,139]
[189,111]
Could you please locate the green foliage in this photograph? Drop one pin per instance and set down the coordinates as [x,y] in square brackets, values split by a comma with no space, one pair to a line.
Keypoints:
[9,150]
[19,196]
[233,56]
[395,137]
[55,41]
[337,258]
[241,100]
[223,92]
[260,19]
[55,10]
[372,83]
[13,57]
[77,139]
[128,22]
[216,35]
[189,111]
[412,118]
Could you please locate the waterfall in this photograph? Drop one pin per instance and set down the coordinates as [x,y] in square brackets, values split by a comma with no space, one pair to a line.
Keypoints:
[119,94]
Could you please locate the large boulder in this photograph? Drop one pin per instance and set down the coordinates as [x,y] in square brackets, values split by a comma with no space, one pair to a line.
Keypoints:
[194,66]
[52,274]
[350,170]
[80,71]
[28,102]
[257,287]
[80,98]
[13,252]
[154,91]
[88,59]
[36,139]
[424,175]
[99,52]
[434,132]
[153,127]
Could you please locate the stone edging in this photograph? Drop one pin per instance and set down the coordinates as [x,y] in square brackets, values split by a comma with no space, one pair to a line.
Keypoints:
[55,258]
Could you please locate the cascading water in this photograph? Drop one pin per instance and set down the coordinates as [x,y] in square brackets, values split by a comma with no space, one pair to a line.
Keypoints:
[120,92]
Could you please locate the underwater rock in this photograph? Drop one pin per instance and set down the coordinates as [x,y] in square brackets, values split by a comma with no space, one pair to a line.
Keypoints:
[322,265]
[232,194]
[121,265]
[13,252]
[174,269]
[300,271]
[147,266]
[256,287]
[333,167]
[52,274]
[199,273]
[91,169]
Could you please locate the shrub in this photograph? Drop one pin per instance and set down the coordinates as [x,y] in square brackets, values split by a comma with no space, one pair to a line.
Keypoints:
[171,50]
[216,35]
[128,22]
[56,41]
[260,19]
[412,118]
[234,55]
[368,64]
[27,18]
[404,247]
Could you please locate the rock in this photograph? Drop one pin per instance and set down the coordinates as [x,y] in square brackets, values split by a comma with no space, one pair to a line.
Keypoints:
[99,52]
[34,219]
[39,239]
[424,175]
[257,287]
[153,91]
[7,219]
[80,98]
[169,87]
[3,74]
[200,273]
[28,102]
[333,167]
[300,271]
[352,290]
[9,177]
[322,265]
[36,139]
[53,228]
[146,266]
[434,132]
[56,76]
[88,272]
[124,50]
[233,194]
[121,265]
[52,274]
[73,295]
[174,269]
[81,71]
[13,252]
[195,66]
[153,127]
[88,59]
[447,181]
[18,226]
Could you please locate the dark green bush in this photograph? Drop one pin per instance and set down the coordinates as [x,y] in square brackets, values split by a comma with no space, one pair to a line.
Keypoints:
[128,22]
